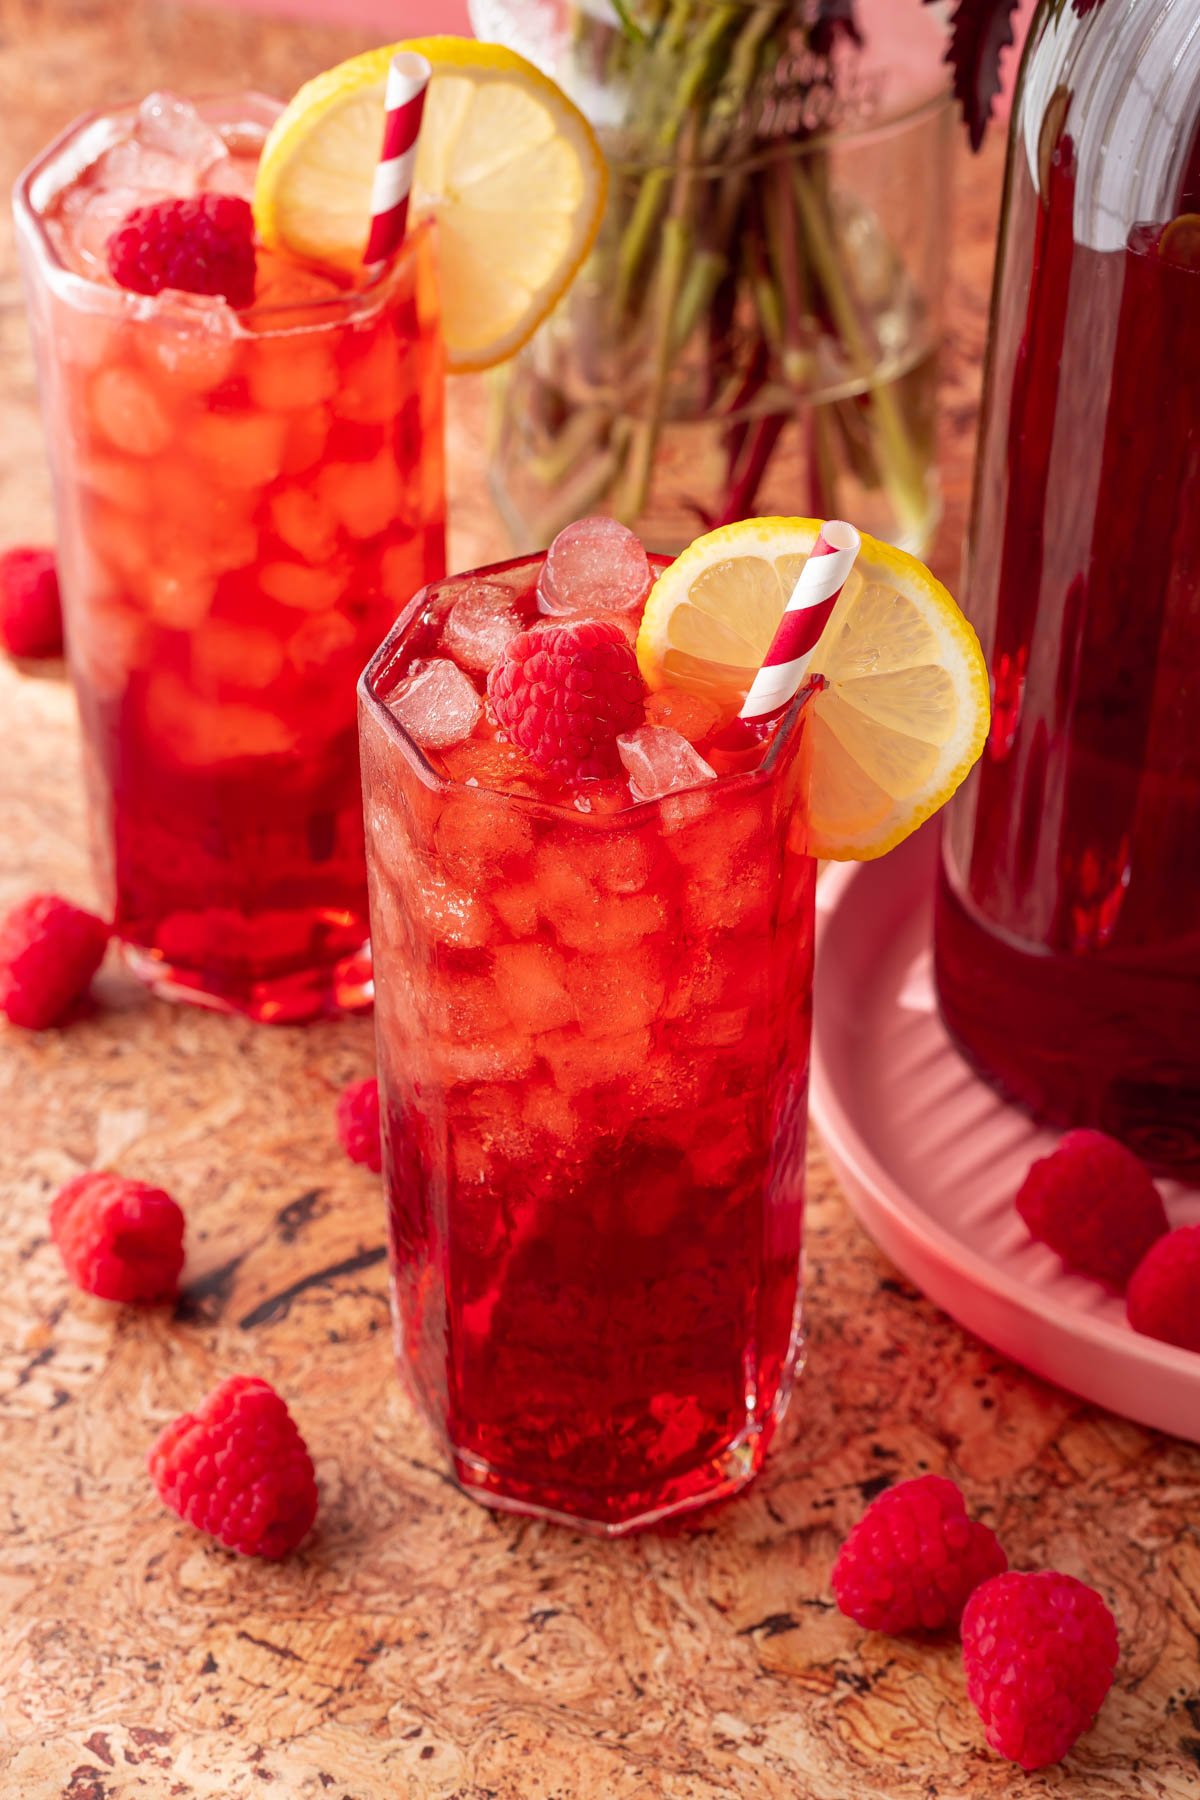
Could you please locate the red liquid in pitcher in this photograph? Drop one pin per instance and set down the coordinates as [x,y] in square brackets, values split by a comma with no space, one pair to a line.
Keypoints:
[1068,922]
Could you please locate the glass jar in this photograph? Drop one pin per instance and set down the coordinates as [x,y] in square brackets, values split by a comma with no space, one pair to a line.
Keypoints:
[758,327]
[1068,920]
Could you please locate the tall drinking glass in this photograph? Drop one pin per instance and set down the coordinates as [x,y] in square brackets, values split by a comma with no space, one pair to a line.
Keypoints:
[245,499]
[593,1037]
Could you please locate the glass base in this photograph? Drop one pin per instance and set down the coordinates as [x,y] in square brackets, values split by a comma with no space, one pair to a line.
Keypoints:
[345,986]
[616,1512]
[619,1514]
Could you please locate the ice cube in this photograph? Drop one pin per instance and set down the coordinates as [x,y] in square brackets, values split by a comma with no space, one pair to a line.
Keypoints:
[91,215]
[479,625]
[533,980]
[190,341]
[246,137]
[579,1063]
[126,413]
[595,565]
[171,125]
[437,704]
[228,655]
[230,175]
[181,597]
[154,173]
[660,761]
[502,767]
[449,914]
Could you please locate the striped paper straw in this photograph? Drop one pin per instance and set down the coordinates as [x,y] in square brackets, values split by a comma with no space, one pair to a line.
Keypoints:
[404,102]
[804,619]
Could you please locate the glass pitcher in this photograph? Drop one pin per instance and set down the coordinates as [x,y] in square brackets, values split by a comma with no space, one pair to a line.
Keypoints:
[1068,910]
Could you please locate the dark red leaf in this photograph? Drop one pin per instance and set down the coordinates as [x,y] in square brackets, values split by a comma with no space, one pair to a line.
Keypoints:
[834,19]
[979,31]
[1083,7]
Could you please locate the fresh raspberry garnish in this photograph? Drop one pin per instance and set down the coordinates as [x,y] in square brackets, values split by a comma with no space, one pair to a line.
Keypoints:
[238,1469]
[1163,1298]
[1093,1202]
[565,693]
[1039,1652]
[358,1123]
[30,611]
[49,951]
[913,1558]
[204,245]
[119,1239]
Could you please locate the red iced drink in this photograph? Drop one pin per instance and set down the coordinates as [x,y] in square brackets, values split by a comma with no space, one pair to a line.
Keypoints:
[593,1027]
[245,499]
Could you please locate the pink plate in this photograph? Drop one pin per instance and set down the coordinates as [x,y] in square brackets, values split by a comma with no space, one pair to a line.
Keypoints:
[930,1157]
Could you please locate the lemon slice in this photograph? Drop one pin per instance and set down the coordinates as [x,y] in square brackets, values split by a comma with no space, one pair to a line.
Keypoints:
[509,168]
[905,713]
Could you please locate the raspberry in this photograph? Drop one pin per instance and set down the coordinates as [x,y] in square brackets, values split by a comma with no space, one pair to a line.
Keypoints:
[358,1123]
[913,1558]
[1093,1202]
[565,693]
[30,611]
[119,1239]
[49,951]
[204,245]
[1039,1652]
[1164,1290]
[238,1469]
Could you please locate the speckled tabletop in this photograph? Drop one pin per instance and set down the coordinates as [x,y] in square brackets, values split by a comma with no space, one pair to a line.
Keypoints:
[419,1646]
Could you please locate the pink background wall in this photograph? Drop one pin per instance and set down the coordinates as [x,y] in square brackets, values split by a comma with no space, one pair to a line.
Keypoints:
[391,18]
[405,18]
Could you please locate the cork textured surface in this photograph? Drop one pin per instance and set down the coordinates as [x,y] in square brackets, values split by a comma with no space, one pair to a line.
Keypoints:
[419,1648]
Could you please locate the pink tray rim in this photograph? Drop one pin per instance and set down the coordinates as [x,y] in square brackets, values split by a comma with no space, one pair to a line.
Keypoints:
[929,1254]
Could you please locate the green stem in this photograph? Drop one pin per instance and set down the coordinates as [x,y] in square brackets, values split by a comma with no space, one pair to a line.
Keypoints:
[705,276]
[703,231]
[635,241]
[701,73]
[743,67]
[901,468]
[674,255]
[629,24]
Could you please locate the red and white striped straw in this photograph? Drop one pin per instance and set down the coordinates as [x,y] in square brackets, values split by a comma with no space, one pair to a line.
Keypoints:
[404,102]
[804,619]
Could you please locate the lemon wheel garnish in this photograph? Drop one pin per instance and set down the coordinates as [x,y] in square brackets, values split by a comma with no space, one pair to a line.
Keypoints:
[509,168]
[905,713]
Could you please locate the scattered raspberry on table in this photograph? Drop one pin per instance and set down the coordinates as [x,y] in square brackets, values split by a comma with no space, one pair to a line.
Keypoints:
[202,245]
[1163,1299]
[565,693]
[238,1469]
[119,1239]
[30,609]
[49,951]
[358,1123]
[1093,1202]
[1039,1652]
[914,1558]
